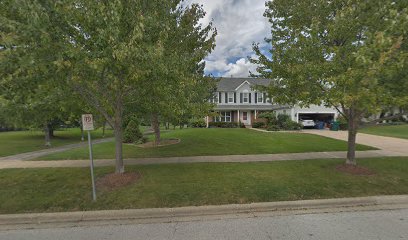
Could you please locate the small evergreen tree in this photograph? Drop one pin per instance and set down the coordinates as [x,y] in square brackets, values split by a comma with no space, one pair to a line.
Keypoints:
[132,132]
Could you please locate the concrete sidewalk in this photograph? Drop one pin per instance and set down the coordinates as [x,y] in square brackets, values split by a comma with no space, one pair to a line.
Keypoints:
[39,153]
[196,159]
[154,215]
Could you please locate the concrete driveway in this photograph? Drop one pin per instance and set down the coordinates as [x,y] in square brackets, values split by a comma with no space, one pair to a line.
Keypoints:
[389,145]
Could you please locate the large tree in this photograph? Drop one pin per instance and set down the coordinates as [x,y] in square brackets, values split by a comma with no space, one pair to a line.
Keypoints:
[349,54]
[103,50]
[174,85]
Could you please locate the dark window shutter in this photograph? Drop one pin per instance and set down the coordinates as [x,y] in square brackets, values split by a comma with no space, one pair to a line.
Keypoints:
[249,95]
[226,97]
[235,97]
[264,97]
[219,97]
[240,97]
[256,97]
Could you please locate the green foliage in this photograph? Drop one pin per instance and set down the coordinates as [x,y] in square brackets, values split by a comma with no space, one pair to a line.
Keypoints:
[336,52]
[197,123]
[343,124]
[269,116]
[132,132]
[225,124]
[280,122]
[351,55]
[258,125]
[283,118]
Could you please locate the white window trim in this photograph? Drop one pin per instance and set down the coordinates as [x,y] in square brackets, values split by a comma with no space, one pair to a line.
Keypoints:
[215,98]
[243,97]
[231,96]
[260,97]
[223,117]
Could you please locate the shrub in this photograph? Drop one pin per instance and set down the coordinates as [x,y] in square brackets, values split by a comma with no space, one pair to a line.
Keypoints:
[273,127]
[132,132]
[270,117]
[283,118]
[258,125]
[343,124]
[223,124]
[291,125]
[197,123]
[144,139]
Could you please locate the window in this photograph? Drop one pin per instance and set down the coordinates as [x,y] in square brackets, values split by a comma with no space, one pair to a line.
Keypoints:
[215,98]
[245,97]
[260,98]
[230,97]
[223,117]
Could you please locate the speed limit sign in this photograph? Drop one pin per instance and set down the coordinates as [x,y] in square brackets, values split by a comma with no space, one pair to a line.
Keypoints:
[87,122]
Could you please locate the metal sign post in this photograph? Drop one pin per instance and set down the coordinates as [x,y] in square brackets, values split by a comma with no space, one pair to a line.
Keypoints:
[87,125]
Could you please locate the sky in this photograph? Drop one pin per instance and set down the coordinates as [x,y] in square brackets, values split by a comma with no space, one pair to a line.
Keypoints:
[239,23]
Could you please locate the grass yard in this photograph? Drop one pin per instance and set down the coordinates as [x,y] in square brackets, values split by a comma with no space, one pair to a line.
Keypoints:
[207,142]
[398,131]
[26,141]
[175,185]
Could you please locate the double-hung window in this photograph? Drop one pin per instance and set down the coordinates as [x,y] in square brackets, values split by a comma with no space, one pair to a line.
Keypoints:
[215,98]
[260,97]
[245,97]
[230,97]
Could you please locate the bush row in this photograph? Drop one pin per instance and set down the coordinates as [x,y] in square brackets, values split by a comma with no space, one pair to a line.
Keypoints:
[277,123]
[226,125]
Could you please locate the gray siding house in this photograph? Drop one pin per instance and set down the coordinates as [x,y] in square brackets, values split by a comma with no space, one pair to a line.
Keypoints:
[237,101]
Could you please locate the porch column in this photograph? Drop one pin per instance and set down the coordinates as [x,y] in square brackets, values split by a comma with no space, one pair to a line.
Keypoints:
[207,121]
[256,113]
[238,119]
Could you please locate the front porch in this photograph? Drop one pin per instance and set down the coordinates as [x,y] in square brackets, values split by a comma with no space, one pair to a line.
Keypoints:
[247,117]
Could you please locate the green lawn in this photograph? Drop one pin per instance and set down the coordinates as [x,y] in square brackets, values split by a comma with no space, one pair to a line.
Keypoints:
[205,142]
[26,141]
[174,185]
[398,131]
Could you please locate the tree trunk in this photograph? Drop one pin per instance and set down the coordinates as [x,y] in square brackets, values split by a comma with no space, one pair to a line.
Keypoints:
[47,134]
[352,135]
[120,168]
[51,131]
[156,128]
[118,128]
[103,129]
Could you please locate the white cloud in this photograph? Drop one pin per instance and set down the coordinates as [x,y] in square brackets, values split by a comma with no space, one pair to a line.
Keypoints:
[239,68]
[239,23]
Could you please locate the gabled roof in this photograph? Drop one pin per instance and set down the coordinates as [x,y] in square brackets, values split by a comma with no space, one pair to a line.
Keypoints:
[231,84]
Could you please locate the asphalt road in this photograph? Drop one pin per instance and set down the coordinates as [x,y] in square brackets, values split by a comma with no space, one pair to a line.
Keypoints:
[383,224]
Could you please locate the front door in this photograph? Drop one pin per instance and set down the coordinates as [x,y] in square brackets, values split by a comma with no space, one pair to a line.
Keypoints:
[246,118]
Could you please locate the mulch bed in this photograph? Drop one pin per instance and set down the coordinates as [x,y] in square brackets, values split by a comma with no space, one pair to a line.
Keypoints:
[163,142]
[114,181]
[355,170]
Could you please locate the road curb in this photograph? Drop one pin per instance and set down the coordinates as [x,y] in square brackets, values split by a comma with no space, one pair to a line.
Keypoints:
[175,214]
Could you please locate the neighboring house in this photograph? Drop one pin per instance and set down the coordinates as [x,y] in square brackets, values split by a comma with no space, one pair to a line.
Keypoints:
[238,101]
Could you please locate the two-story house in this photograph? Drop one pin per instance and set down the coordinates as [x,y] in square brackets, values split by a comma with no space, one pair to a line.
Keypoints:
[238,101]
